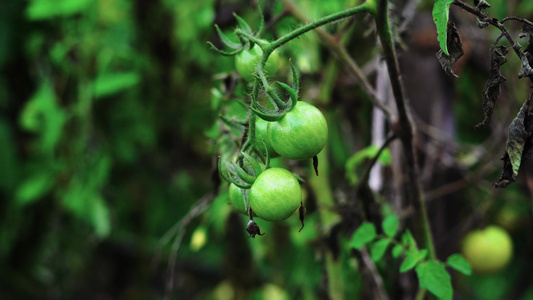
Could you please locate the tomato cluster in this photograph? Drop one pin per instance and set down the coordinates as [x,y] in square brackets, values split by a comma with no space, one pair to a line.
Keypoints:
[299,133]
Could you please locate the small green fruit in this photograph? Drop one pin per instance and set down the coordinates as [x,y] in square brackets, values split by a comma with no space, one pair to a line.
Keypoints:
[275,195]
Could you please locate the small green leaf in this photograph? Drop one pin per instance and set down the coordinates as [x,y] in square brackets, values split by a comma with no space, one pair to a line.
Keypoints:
[377,249]
[242,24]
[100,218]
[409,262]
[397,251]
[433,276]
[390,225]
[422,254]
[409,241]
[411,259]
[441,15]
[458,263]
[34,187]
[363,235]
[109,84]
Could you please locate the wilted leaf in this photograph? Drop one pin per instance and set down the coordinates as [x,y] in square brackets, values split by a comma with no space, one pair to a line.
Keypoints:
[526,69]
[491,90]
[363,235]
[441,14]
[455,48]
[481,4]
[433,276]
[519,144]
[482,24]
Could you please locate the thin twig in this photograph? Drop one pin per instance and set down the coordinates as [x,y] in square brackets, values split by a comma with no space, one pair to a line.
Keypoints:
[172,264]
[179,229]
[525,21]
[364,178]
[342,55]
[375,274]
[492,21]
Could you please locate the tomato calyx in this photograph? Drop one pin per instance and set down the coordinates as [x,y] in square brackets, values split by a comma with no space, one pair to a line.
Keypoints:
[281,108]
[245,35]
[243,172]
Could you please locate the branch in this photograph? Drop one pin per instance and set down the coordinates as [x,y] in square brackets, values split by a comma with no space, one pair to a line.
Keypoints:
[382,293]
[405,128]
[492,21]
[342,55]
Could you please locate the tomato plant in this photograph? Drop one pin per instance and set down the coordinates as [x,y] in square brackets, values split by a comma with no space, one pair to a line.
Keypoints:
[275,195]
[247,60]
[488,250]
[300,134]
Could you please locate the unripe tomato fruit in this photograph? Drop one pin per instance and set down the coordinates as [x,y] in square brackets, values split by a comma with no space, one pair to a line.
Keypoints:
[300,134]
[236,198]
[261,133]
[488,250]
[275,195]
[247,60]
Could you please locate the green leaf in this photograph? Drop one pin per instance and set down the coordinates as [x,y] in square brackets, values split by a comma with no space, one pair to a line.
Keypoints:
[109,84]
[397,251]
[377,249]
[100,217]
[42,114]
[34,187]
[390,225]
[409,241]
[458,263]
[433,276]
[363,235]
[441,14]
[409,262]
[411,259]
[45,9]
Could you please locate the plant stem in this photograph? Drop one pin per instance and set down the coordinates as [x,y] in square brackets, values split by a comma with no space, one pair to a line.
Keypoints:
[405,129]
[325,20]
[342,55]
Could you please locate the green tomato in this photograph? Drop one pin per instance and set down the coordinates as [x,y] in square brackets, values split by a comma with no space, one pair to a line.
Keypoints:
[302,133]
[488,250]
[247,60]
[275,195]
[261,133]
[236,198]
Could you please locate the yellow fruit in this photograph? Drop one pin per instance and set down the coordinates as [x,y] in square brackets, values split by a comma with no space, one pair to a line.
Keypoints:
[488,250]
